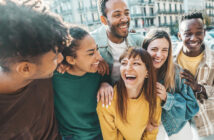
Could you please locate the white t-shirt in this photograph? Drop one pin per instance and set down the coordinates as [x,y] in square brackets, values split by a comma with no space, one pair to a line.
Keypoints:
[117,51]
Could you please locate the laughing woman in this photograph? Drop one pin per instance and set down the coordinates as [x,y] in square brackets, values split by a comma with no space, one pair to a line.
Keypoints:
[135,102]
[178,101]
[76,90]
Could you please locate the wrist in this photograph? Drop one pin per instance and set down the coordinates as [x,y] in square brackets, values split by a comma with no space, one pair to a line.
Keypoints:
[199,89]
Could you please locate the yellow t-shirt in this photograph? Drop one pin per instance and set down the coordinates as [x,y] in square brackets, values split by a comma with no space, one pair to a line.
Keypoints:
[113,128]
[190,63]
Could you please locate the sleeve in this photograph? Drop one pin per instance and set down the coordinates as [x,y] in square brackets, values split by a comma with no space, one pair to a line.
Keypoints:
[151,135]
[106,78]
[106,118]
[209,90]
[182,103]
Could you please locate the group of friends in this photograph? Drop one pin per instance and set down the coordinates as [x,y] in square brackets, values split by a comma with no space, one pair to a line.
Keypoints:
[58,81]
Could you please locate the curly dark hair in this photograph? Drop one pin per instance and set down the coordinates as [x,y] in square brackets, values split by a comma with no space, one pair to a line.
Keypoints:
[78,34]
[26,34]
[101,5]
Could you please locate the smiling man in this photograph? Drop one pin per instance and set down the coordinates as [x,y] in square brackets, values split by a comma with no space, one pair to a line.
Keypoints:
[30,45]
[113,38]
[196,58]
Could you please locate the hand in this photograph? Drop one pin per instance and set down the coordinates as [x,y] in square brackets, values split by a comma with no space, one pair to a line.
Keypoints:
[151,126]
[105,94]
[62,68]
[103,67]
[190,80]
[161,91]
[199,90]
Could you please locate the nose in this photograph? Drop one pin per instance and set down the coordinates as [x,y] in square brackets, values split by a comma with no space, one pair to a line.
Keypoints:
[159,54]
[129,66]
[59,58]
[98,56]
[193,37]
[124,18]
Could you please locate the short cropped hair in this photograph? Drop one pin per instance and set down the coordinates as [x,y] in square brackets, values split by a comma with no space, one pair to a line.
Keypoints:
[192,15]
[101,5]
[26,34]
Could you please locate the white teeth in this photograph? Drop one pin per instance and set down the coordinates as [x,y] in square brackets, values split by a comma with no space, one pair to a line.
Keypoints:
[96,63]
[158,61]
[130,76]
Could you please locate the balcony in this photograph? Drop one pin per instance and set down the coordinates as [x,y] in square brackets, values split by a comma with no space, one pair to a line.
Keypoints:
[143,15]
[170,12]
[209,6]
[93,8]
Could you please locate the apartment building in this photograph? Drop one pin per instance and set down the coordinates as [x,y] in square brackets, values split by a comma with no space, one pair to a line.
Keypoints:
[145,14]
[82,12]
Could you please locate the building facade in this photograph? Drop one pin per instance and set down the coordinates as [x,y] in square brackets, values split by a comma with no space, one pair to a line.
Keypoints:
[145,14]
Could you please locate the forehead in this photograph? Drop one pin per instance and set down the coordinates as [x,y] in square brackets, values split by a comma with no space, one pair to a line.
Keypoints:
[191,24]
[87,43]
[159,43]
[132,58]
[116,5]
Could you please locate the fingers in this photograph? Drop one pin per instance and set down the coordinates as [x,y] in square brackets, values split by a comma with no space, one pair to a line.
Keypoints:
[107,99]
[105,94]
[103,98]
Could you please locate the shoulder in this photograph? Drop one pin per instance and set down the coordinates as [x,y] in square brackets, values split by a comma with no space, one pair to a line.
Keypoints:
[111,108]
[135,39]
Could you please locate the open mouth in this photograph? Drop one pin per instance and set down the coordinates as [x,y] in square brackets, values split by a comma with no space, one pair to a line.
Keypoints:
[193,44]
[96,64]
[124,27]
[130,77]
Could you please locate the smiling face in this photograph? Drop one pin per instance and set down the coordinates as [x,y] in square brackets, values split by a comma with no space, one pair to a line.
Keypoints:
[118,19]
[87,57]
[133,72]
[47,65]
[192,34]
[158,49]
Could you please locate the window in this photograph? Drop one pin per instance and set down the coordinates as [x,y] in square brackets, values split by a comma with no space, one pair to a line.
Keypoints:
[164,19]
[159,20]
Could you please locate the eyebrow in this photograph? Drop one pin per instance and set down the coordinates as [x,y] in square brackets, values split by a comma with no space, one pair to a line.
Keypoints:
[117,11]
[91,50]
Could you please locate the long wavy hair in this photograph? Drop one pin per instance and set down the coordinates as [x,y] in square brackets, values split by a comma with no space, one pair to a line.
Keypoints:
[148,87]
[167,70]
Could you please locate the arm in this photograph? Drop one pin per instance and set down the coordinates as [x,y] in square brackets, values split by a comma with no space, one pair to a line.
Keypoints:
[151,134]
[106,118]
[181,103]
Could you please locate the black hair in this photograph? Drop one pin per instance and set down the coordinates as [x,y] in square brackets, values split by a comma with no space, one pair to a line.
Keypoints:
[192,15]
[26,34]
[101,5]
[78,34]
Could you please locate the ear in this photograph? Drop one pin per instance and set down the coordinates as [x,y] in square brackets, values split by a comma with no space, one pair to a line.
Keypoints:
[103,20]
[179,36]
[147,75]
[26,69]
[70,60]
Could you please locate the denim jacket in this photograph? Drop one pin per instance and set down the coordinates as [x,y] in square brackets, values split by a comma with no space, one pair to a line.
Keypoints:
[180,106]
[100,37]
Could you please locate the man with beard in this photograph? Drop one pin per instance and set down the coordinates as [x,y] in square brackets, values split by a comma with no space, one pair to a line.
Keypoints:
[196,58]
[30,45]
[113,38]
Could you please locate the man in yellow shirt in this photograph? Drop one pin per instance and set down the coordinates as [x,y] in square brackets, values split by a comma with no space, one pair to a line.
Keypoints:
[196,58]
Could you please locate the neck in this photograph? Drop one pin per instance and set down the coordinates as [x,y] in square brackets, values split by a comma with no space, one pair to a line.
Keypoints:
[189,53]
[133,93]
[114,39]
[10,85]
[76,72]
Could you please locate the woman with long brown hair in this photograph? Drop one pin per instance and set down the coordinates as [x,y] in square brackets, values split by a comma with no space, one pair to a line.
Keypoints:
[178,101]
[135,102]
